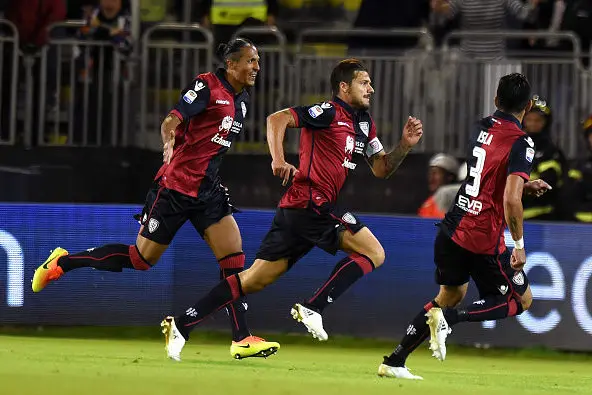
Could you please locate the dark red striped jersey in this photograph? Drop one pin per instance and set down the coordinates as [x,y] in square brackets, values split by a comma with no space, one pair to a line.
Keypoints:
[213,115]
[498,148]
[334,139]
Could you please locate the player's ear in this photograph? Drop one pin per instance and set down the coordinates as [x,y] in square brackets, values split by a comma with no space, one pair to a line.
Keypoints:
[344,86]
[528,107]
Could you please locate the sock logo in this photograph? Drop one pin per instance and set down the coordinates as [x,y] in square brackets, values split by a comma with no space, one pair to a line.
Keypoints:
[411,330]
[191,312]
[153,225]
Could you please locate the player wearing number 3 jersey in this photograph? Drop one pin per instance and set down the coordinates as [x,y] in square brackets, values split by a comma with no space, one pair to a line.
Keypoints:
[470,242]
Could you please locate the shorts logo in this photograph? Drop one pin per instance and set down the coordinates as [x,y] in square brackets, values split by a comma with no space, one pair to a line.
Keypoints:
[189,96]
[365,127]
[191,312]
[518,278]
[315,111]
[144,219]
[244,108]
[349,218]
[153,225]
[503,289]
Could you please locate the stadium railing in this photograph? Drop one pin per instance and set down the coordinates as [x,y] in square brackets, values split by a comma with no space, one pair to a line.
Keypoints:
[269,94]
[83,92]
[168,65]
[469,85]
[9,55]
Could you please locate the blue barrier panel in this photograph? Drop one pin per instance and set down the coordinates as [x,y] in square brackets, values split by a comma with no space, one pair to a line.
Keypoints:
[380,305]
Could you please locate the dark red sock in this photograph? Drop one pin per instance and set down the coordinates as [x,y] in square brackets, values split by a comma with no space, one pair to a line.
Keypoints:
[110,257]
[227,291]
[237,310]
[346,272]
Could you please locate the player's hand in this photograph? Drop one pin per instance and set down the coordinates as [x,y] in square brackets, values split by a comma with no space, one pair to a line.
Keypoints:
[283,170]
[537,188]
[167,149]
[518,259]
[412,132]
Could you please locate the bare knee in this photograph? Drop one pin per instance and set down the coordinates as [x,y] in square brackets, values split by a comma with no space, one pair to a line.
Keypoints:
[261,274]
[377,256]
[451,296]
[526,300]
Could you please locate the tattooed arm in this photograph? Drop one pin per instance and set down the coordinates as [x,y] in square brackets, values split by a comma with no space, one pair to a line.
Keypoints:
[385,164]
[513,212]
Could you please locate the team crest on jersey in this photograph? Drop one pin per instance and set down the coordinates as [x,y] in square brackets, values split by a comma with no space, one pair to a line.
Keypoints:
[153,225]
[244,108]
[365,127]
[226,123]
[349,145]
[349,218]
[315,111]
[529,154]
[518,278]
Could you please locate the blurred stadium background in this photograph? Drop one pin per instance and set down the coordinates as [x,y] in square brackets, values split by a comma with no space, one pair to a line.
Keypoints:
[80,143]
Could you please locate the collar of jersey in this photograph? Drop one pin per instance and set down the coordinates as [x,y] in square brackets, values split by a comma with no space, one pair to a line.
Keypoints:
[221,74]
[346,106]
[507,117]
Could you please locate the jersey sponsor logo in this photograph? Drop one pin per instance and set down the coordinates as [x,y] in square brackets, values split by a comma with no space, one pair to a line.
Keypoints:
[349,218]
[199,86]
[226,123]
[349,145]
[348,165]
[343,124]
[236,127]
[325,105]
[244,108]
[529,154]
[315,111]
[469,205]
[189,96]
[365,127]
[484,138]
[360,147]
[225,102]
[153,224]
[518,278]
[220,140]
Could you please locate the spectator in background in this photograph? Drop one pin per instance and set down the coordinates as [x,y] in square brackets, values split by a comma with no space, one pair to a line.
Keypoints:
[578,18]
[110,21]
[579,186]
[226,16]
[442,171]
[380,14]
[32,19]
[549,164]
[488,15]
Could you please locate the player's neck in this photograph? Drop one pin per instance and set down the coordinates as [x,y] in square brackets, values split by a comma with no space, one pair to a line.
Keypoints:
[237,86]
[346,101]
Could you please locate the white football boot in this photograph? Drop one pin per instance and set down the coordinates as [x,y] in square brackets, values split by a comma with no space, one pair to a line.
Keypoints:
[400,372]
[311,319]
[439,330]
[174,341]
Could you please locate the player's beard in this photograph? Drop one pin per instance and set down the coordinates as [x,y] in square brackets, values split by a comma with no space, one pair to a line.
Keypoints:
[361,105]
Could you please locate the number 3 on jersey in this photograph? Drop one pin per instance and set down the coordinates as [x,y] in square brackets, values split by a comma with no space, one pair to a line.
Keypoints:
[475,172]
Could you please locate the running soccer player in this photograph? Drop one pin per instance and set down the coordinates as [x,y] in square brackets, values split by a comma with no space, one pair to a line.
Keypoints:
[196,134]
[470,242]
[335,136]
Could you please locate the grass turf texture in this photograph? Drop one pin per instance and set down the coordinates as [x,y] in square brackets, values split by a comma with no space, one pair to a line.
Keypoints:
[132,361]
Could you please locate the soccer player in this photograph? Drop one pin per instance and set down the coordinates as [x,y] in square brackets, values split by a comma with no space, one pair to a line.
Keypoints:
[470,242]
[335,136]
[196,134]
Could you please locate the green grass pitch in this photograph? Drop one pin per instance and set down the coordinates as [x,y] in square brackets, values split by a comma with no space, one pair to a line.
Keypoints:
[61,362]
